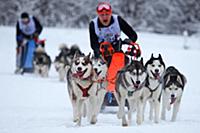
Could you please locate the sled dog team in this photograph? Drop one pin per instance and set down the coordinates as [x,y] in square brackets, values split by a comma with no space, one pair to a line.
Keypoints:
[138,83]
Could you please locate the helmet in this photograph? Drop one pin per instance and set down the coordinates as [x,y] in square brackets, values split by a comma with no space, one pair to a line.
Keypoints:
[104,7]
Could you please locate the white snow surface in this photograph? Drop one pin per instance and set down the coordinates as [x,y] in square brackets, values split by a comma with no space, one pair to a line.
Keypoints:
[32,104]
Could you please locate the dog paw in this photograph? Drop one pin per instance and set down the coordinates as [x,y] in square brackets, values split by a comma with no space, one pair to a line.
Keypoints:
[124,124]
[163,117]
[94,120]
[139,121]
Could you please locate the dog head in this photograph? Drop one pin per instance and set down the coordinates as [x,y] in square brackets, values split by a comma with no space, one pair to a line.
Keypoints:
[100,67]
[174,83]
[155,67]
[137,73]
[40,56]
[81,66]
[62,59]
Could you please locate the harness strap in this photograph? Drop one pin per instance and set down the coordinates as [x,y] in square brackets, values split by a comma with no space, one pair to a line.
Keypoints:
[85,90]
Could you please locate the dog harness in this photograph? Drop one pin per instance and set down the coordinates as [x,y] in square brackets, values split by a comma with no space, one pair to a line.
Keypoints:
[85,90]
[153,90]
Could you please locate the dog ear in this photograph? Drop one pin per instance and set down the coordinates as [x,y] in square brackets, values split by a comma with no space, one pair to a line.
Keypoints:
[167,80]
[76,55]
[160,57]
[88,56]
[141,61]
[179,80]
[152,55]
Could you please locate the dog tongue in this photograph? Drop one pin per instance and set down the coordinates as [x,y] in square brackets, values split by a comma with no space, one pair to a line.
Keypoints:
[172,100]
[79,73]
[157,75]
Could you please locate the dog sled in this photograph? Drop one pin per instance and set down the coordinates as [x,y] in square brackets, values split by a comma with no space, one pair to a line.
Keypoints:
[25,55]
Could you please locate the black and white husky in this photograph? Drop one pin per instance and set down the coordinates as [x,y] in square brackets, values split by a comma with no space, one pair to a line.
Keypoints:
[173,86]
[41,62]
[129,85]
[153,88]
[64,59]
[82,88]
[100,68]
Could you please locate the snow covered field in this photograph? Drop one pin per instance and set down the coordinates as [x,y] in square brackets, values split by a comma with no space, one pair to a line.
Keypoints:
[31,104]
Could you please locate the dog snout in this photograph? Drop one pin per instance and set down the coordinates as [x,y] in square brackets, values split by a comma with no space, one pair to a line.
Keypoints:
[156,70]
[138,82]
[95,69]
[79,69]
[172,96]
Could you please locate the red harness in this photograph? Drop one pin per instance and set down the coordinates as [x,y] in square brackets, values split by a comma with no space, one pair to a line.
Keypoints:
[85,90]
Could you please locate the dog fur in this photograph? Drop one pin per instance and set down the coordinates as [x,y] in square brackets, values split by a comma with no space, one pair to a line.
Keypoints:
[41,62]
[152,91]
[129,85]
[82,88]
[173,87]
[100,68]
[63,60]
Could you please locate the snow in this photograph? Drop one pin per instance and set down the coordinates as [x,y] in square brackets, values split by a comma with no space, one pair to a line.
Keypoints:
[31,104]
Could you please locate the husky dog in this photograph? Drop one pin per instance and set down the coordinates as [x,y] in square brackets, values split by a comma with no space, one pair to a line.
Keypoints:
[100,68]
[82,88]
[41,62]
[173,86]
[153,87]
[64,59]
[129,85]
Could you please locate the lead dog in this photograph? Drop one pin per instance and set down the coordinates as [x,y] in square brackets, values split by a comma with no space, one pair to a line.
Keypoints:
[82,88]
[129,85]
[173,86]
[153,87]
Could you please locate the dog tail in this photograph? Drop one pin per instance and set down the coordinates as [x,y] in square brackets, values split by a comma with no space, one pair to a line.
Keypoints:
[63,46]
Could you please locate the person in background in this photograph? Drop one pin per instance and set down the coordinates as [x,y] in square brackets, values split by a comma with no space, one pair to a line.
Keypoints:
[27,28]
[105,31]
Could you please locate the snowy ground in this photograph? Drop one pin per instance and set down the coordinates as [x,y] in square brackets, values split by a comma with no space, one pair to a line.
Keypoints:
[31,104]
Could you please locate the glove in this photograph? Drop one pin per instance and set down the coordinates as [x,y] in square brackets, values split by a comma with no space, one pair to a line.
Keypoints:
[109,97]
[133,49]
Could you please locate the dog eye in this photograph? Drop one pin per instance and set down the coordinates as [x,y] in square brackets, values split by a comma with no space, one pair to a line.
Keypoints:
[84,63]
[159,65]
[153,65]
[176,89]
[134,73]
[170,89]
[77,62]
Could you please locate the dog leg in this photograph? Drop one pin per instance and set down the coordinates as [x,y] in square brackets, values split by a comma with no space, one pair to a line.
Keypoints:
[139,111]
[120,112]
[130,111]
[175,110]
[75,112]
[84,110]
[93,103]
[100,98]
[157,111]
[164,107]
[151,111]
[79,109]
